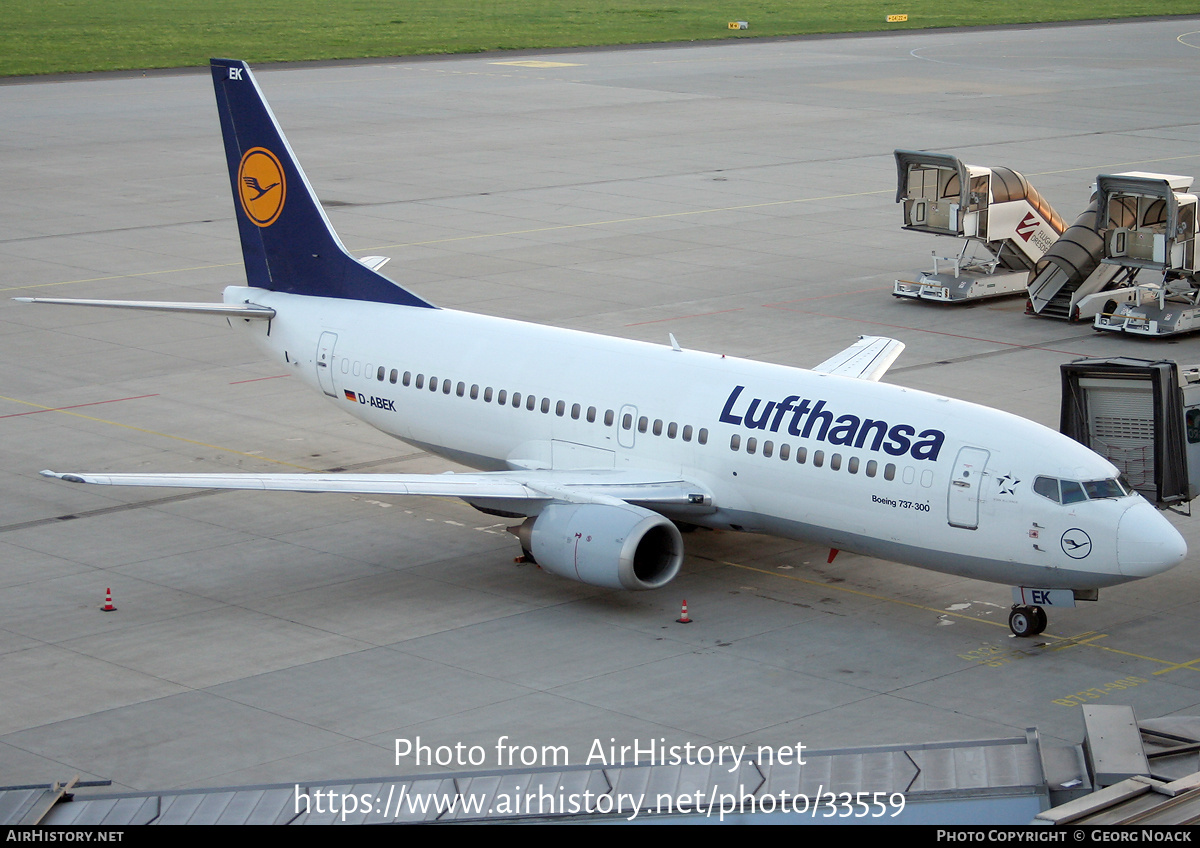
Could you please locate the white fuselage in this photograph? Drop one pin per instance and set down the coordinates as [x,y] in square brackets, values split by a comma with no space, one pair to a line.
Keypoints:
[846,463]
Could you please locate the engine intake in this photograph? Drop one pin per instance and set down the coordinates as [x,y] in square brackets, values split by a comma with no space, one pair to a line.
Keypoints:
[617,546]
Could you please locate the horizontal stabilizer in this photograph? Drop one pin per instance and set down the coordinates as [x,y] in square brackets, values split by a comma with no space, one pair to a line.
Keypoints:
[375,262]
[869,358]
[235,310]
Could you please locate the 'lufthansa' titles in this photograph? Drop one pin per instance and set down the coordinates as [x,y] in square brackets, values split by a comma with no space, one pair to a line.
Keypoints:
[807,419]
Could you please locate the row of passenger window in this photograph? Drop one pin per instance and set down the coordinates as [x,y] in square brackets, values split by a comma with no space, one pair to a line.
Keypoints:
[502,397]
[853,465]
[659,427]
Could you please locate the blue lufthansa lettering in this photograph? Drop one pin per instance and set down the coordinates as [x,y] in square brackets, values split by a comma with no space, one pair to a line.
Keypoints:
[870,425]
[781,409]
[726,417]
[930,445]
[759,423]
[826,417]
[801,411]
[843,433]
[899,439]
[813,420]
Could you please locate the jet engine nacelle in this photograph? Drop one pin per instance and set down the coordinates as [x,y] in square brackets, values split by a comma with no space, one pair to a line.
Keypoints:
[617,546]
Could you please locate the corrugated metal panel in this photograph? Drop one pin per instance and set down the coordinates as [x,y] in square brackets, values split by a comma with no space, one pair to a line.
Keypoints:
[276,806]
[15,803]
[179,809]
[1121,421]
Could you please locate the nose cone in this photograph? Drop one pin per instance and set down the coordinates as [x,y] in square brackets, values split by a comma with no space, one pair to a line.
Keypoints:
[1146,542]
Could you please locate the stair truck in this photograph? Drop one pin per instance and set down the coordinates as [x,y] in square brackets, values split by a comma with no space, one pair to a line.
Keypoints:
[1004,224]
[1149,232]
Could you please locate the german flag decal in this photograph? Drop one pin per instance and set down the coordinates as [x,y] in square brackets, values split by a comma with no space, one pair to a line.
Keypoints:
[261,186]
[351,396]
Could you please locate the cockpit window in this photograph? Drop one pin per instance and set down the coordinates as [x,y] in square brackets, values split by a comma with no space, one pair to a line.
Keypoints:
[1097,489]
[1070,491]
[1047,487]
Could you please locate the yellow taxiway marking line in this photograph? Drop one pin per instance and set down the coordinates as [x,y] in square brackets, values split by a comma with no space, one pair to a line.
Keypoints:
[122,276]
[155,433]
[863,594]
[538,63]
[1184,35]
[633,220]
[1086,639]
[478,236]
[1102,168]
[1190,665]
[584,225]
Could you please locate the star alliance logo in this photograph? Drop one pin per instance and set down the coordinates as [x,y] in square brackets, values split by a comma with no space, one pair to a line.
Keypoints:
[1008,484]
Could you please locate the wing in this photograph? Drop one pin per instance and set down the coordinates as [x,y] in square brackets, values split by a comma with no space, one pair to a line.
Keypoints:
[869,358]
[518,492]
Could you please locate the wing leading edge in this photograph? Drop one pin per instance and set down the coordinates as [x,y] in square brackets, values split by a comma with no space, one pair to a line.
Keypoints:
[525,491]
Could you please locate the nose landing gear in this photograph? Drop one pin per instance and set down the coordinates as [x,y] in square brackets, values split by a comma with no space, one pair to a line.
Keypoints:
[1027,620]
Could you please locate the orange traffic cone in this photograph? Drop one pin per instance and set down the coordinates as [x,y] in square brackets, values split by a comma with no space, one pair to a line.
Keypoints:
[108,605]
[683,616]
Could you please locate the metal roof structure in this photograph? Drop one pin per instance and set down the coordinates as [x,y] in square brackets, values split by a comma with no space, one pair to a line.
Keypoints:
[1002,779]
[1168,793]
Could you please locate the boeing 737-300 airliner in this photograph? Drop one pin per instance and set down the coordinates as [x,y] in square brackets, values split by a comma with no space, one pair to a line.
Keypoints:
[601,447]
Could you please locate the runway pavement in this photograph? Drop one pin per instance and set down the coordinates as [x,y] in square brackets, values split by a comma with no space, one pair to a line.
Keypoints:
[737,195]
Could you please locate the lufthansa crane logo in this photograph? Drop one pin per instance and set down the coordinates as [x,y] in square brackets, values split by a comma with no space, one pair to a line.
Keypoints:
[261,186]
[1076,543]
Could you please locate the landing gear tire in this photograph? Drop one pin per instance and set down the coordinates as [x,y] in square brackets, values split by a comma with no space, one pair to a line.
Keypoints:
[1027,621]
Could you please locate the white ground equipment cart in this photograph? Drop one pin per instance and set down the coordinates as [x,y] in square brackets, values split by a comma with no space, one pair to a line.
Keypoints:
[1149,232]
[1004,224]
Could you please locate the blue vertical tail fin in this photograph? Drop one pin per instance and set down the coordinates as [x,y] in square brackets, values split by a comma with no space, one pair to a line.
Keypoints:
[287,242]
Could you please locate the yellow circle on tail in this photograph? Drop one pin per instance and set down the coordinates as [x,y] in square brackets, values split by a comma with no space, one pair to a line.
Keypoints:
[261,186]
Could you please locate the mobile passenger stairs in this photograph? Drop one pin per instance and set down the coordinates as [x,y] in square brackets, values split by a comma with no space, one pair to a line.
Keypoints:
[1004,223]
[1149,233]
[1090,272]
[1072,270]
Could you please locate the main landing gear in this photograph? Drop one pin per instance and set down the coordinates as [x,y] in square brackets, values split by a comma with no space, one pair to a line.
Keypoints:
[1026,621]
